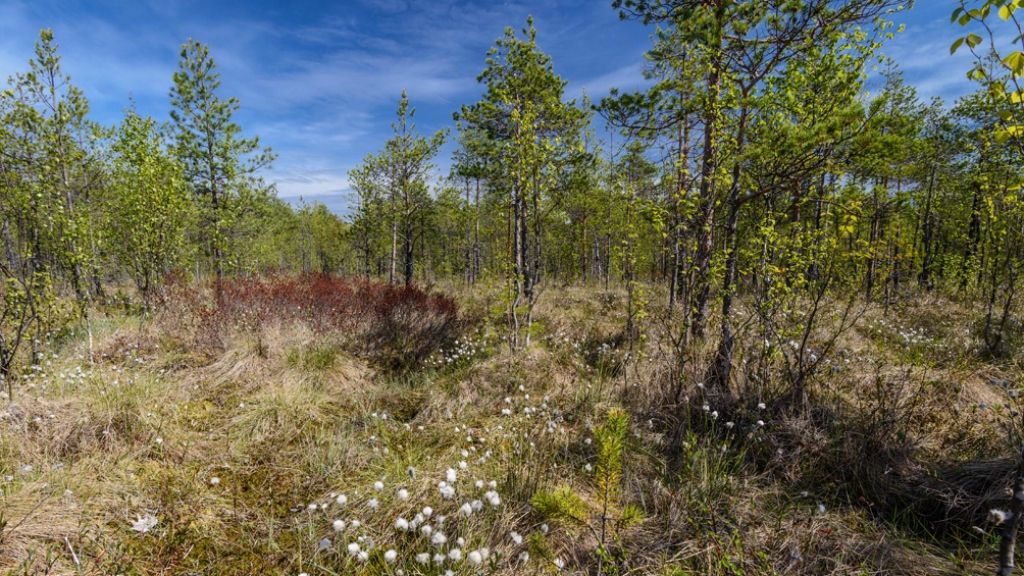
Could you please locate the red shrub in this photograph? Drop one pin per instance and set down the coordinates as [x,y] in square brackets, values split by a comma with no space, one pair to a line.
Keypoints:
[396,326]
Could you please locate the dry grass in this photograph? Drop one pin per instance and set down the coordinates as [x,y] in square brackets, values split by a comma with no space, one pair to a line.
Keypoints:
[228,447]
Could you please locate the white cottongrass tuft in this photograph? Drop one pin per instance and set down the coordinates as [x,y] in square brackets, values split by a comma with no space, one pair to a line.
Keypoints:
[997,516]
[144,523]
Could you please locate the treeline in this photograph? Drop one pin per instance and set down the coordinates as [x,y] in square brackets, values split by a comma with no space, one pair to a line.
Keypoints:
[86,208]
[755,166]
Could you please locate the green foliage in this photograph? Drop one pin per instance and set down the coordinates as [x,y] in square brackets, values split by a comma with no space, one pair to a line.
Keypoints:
[606,519]
[527,140]
[219,165]
[999,64]
[611,440]
[562,504]
[150,209]
[393,195]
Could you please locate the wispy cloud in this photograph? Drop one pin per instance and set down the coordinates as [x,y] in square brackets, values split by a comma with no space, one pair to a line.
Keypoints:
[922,53]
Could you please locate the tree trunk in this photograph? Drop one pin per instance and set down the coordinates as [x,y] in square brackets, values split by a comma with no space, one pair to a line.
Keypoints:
[705,223]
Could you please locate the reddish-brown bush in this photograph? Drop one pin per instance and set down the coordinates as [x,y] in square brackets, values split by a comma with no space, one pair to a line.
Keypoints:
[397,327]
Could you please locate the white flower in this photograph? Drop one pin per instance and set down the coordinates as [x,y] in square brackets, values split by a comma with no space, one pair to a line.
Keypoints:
[559,563]
[363,556]
[402,524]
[455,554]
[466,510]
[144,523]
[403,494]
[338,525]
[439,539]
[373,503]
[475,558]
[353,549]
[423,558]
[390,556]
[997,516]
[426,530]
[516,537]
[524,556]
[450,475]
[493,498]
[378,485]
[427,511]
[341,500]
[760,406]
[439,558]
[760,423]
[214,481]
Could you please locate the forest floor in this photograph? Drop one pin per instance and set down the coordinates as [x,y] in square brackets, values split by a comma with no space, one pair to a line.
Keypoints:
[283,449]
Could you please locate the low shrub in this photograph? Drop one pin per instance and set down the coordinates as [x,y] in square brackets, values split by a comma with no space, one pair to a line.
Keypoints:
[395,327]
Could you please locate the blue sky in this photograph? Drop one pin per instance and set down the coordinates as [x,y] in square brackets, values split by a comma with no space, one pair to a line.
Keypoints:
[319,81]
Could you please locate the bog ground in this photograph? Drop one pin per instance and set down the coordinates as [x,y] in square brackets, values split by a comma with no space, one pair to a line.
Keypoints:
[208,443]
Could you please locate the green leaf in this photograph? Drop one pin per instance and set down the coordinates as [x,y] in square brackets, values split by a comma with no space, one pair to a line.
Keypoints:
[956,45]
[972,40]
[1015,62]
